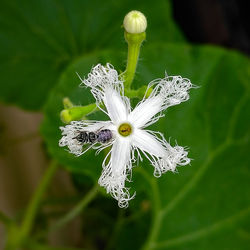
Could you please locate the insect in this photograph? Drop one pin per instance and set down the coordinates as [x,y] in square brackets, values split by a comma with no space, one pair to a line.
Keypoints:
[101,136]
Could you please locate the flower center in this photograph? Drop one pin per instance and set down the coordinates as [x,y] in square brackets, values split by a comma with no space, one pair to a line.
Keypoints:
[125,129]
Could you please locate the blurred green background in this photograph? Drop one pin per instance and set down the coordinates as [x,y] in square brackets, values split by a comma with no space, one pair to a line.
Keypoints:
[206,205]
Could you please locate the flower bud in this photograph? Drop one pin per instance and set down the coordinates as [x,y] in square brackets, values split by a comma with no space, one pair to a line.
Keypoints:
[65,116]
[135,22]
[76,113]
[67,103]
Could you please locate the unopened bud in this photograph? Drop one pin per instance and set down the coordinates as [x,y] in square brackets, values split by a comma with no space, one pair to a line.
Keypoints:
[67,103]
[135,22]
[76,113]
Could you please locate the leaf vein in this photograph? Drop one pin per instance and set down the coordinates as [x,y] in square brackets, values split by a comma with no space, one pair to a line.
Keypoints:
[205,231]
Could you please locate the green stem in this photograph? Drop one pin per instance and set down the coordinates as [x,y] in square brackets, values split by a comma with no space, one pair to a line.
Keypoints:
[119,222]
[36,200]
[138,93]
[134,44]
[156,212]
[77,209]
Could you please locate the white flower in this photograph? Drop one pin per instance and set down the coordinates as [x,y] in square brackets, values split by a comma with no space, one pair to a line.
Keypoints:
[130,138]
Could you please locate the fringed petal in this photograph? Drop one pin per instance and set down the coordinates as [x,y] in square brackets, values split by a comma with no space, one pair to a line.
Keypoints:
[117,106]
[168,91]
[71,131]
[117,170]
[100,78]
[107,88]
[159,152]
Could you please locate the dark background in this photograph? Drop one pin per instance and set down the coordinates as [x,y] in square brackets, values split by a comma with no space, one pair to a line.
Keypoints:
[220,22]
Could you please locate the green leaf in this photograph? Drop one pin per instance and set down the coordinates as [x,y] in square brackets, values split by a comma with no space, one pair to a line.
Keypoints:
[206,205]
[208,200]
[38,39]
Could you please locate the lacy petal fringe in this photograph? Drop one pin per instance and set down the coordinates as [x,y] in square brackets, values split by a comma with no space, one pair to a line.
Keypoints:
[116,187]
[107,88]
[100,78]
[70,132]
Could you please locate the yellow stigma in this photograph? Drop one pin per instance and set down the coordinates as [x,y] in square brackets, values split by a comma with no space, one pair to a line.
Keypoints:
[125,129]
